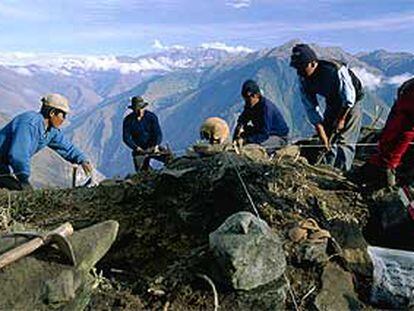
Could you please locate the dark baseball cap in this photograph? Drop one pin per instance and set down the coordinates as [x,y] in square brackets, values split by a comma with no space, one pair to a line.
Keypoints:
[302,54]
[250,86]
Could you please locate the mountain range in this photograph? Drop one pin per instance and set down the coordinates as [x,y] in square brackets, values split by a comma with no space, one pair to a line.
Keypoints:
[88,80]
[208,84]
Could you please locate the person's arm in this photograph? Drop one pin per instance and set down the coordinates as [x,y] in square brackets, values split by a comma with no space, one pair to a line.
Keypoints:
[311,105]
[347,94]
[263,127]
[24,141]
[156,135]
[320,130]
[127,135]
[241,122]
[66,149]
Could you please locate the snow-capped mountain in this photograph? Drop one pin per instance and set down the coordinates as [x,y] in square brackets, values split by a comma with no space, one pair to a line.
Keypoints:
[88,80]
[167,60]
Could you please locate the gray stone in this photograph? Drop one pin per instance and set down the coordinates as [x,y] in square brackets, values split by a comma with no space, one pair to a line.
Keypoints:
[271,296]
[42,281]
[353,246]
[338,291]
[313,253]
[247,251]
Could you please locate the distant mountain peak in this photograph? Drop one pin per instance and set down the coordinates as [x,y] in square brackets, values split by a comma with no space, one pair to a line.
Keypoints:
[168,59]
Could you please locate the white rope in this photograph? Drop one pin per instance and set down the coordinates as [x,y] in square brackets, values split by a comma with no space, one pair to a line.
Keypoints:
[249,197]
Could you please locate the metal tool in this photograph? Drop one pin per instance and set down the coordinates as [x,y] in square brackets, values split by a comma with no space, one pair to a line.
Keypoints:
[324,153]
[57,237]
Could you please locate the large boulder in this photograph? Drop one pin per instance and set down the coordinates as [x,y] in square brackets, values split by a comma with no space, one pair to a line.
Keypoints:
[249,253]
[42,282]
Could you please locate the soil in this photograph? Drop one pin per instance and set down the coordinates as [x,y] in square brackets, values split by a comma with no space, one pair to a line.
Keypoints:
[165,218]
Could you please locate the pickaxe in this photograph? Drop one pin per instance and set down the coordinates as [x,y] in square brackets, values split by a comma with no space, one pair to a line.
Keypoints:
[57,237]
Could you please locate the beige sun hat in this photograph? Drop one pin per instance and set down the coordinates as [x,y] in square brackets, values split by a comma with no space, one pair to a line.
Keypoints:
[57,101]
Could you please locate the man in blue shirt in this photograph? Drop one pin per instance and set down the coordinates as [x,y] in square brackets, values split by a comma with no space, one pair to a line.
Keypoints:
[142,134]
[30,132]
[261,121]
[339,127]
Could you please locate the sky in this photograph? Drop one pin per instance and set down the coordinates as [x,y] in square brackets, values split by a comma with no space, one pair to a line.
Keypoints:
[136,27]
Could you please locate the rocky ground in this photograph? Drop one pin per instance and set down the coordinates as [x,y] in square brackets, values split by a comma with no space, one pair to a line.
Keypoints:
[162,259]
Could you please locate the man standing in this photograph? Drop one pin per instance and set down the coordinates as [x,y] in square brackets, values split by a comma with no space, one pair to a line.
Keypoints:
[30,132]
[261,121]
[339,127]
[142,133]
[396,136]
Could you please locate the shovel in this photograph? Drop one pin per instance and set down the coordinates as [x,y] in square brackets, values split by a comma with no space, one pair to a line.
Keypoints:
[57,237]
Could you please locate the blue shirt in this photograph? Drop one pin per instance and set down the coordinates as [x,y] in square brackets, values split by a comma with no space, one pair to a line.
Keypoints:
[144,133]
[263,120]
[330,82]
[25,135]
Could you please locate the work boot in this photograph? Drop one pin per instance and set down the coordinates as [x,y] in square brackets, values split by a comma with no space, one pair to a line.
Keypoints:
[391,179]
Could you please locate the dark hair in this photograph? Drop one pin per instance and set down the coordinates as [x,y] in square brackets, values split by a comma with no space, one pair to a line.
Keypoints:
[47,110]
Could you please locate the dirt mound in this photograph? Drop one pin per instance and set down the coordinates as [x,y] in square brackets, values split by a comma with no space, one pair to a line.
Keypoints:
[165,218]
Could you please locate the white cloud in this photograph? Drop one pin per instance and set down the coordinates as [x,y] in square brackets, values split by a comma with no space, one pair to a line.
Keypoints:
[400,79]
[22,71]
[239,4]
[372,81]
[159,46]
[368,79]
[225,47]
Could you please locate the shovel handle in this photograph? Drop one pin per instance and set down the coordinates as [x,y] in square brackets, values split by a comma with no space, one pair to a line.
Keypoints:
[29,247]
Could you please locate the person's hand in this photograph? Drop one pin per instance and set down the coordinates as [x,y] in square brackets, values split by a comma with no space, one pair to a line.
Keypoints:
[87,168]
[340,124]
[239,142]
[139,151]
[238,133]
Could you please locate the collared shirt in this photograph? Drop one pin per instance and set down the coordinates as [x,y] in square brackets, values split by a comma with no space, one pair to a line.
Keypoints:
[144,133]
[25,135]
[330,82]
[266,120]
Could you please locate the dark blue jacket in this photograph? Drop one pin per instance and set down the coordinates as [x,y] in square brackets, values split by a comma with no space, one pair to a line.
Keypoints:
[330,82]
[266,120]
[24,136]
[144,133]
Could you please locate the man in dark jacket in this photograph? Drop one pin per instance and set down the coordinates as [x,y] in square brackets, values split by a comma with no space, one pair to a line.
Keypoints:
[30,132]
[261,121]
[142,134]
[339,127]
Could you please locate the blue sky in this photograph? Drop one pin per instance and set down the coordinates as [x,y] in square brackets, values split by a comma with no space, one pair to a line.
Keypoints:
[130,27]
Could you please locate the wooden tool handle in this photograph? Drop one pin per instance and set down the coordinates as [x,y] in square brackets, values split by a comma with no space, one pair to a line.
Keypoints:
[29,247]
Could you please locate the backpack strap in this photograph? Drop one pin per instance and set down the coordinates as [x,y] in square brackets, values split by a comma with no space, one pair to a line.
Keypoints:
[359,90]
